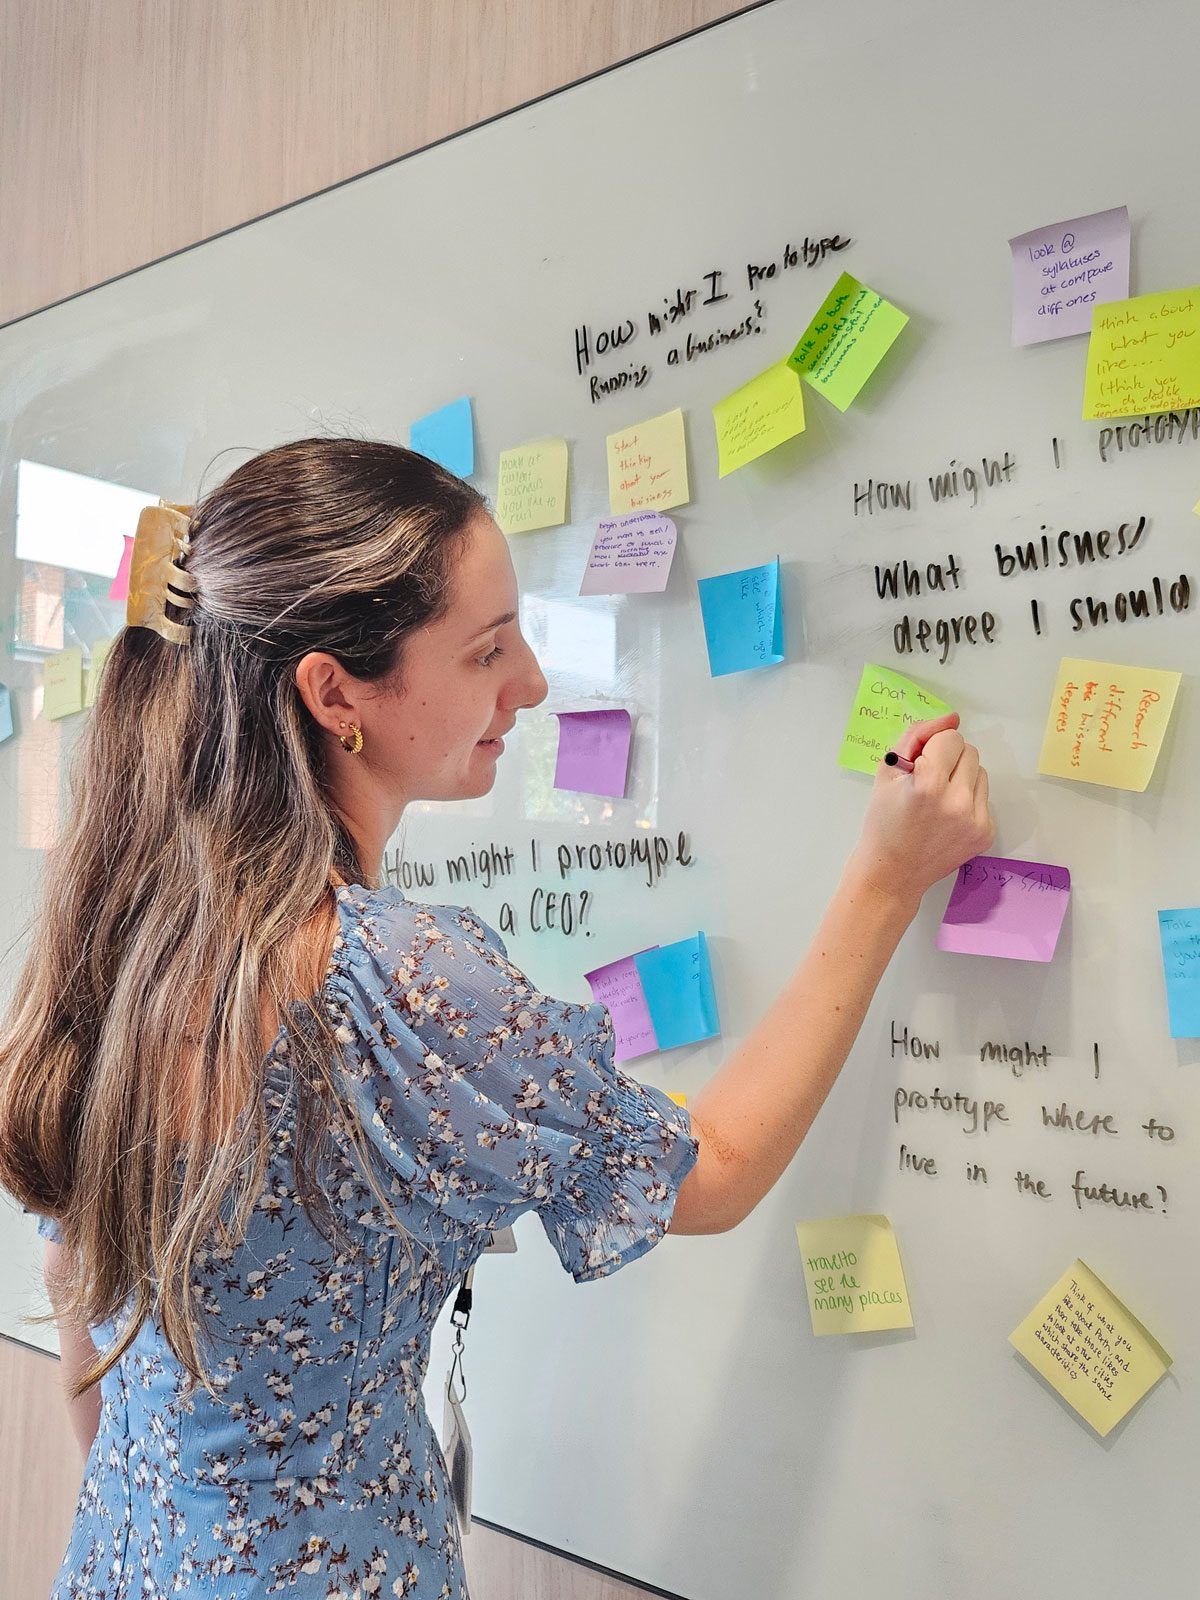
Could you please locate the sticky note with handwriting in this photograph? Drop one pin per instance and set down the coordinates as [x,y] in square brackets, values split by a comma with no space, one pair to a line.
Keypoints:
[763,413]
[62,683]
[1089,1346]
[743,619]
[1179,933]
[630,554]
[1106,722]
[885,703]
[1001,907]
[91,673]
[1061,271]
[532,489]
[447,436]
[853,1275]
[678,985]
[618,986]
[846,340]
[647,465]
[1144,355]
[593,751]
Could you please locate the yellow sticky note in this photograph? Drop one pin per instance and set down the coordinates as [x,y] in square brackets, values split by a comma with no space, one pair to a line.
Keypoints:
[853,1275]
[763,413]
[1106,723]
[679,1099]
[1089,1346]
[1144,355]
[62,683]
[647,465]
[1196,508]
[91,675]
[532,491]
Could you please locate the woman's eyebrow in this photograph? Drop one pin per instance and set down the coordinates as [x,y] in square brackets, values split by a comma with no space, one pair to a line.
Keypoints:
[509,616]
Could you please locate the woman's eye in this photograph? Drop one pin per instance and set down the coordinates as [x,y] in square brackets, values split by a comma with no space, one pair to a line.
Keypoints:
[486,661]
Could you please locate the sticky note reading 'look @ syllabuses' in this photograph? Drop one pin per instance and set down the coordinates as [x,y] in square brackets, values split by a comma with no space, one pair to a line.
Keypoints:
[853,1275]
[1090,1347]
[1144,355]
[532,488]
[647,465]
[743,619]
[447,436]
[1107,723]
[885,703]
[1001,907]
[1060,272]
[846,340]
[593,751]
[763,413]
[1179,933]
[630,554]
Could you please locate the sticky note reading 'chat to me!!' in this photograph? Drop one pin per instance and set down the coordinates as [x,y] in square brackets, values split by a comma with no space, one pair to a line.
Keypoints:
[846,340]
[1106,723]
[647,465]
[743,619]
[885,703]
[630,554]
[1001,907]
[1062,271]
[1179,933]
[853,1275]
[1144,355]
[764,413]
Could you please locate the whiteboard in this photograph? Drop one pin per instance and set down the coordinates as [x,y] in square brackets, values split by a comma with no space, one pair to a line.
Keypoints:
[679,1422]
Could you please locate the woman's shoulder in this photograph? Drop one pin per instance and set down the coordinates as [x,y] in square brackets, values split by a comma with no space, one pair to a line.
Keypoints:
[381,929]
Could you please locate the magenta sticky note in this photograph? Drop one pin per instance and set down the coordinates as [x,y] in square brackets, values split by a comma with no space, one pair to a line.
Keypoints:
[619,987]
[119,588]
[1061,271]
[630,554]
[593,751]
[1006,908]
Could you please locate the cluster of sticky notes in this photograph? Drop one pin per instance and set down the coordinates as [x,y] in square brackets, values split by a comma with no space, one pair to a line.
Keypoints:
[1001,907]
[743,618]
[659,998]
[447,436]
[532,489]
[853,1275]
[1144,355]
[1106,723]
[1179,934]
[1061,271]
[62,683]
[630,554]
[764,413]
[885,703]
[1090,1347]
[846,340]
[593,751]
[647,465]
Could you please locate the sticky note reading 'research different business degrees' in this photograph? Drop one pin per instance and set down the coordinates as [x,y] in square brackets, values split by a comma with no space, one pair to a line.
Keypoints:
[846,340]
[999,907]
[593,751]
[1060,272]
[1089,1346]
[763,413]
[885,703]
[743,619]
[1144,355]
[647,465]
[447,436]
[853,1275]
[531,492]
[1106,723]
[1179,932]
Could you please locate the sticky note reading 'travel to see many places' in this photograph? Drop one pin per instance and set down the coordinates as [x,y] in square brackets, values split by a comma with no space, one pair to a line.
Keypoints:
[743,619]
[1090,1347]
[593,751]
[763,413]
[1006,908]
[532,488]
[1179,932]
[853,1275]
[1107,723]
[647,465]
[447,437]
[62,683]
[1144,355]
[630,554]
[846,340]
[1061,271]
[659,998]
[885,703]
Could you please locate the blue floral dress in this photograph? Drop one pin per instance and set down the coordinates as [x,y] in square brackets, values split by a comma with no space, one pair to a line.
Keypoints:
[317,1473]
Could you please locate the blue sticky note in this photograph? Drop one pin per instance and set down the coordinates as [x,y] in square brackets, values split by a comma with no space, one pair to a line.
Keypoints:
[743,619]
[1180,935]
[6,722]
[677,982]
[447,437]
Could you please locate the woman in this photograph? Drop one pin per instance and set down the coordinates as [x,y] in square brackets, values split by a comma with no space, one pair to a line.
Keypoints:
[270,1113]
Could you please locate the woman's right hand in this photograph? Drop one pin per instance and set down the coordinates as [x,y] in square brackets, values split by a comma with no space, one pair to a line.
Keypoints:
[922,825]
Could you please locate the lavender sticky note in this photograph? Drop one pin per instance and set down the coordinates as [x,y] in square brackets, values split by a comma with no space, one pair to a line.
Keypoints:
[630,554]
[1061,271]
[447,437]
[619,987]
[680,997]
[1006,908]
[743,618]
[593,751]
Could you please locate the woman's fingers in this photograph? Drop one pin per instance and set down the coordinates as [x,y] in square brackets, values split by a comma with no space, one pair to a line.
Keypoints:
[918,734]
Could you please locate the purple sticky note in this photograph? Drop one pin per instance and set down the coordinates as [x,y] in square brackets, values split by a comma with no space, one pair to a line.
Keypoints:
[593,751]
[119,588]
[619,987]
[1006,908]
[1061,271]
[630,555]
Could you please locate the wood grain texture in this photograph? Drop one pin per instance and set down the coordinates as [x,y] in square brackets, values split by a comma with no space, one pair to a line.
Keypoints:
[132,128]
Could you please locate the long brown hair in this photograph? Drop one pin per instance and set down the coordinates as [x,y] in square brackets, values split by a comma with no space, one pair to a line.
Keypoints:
[201,838]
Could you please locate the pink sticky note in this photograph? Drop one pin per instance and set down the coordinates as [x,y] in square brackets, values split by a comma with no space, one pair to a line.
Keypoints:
[1061,271]
[119,588]
[619,987]
[593,751]
[1006,908]
[630,554]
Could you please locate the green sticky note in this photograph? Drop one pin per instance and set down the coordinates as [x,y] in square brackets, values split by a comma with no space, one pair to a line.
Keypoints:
[846,340]
[885,704]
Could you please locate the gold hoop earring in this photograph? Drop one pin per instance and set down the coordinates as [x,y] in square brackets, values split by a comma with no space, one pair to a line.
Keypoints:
[355,737]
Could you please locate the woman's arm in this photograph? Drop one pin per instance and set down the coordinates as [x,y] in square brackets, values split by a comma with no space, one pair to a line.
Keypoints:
[77,1351]
[752,1115]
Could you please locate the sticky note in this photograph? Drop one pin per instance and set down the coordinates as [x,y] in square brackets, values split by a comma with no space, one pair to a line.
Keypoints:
[6,716]
[1089,1346]
[743,619]
[885,703]
[1000,907]
[619,987]
[593,751]
[447,437]
[1179,932]
[680,997]
[62,682]
[679,1099]
[1061,271]
[532,490]
[118,589]
[91,673]
[647,465]
[846,340]
[630,554]
[1107,723]
[763,413]
[1144,355]
[853,1275]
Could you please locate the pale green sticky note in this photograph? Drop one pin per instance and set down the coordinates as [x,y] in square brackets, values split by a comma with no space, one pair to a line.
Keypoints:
[853,1274]
[532,491]
[846,340]
[62,683]
[91,674]
[885,703]
[763,413]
